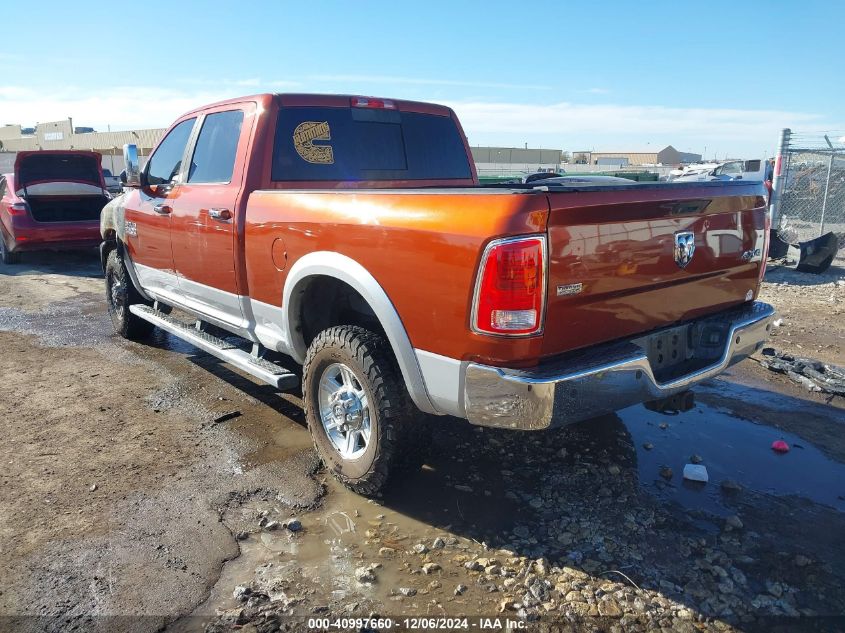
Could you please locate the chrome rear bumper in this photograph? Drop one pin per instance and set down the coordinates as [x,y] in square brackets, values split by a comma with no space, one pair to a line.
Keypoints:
[605,378]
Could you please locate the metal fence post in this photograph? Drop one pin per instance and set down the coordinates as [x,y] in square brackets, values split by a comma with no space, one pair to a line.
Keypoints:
[827,183]
[779,182]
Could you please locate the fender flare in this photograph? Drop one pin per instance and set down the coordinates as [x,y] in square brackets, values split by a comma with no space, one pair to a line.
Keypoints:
[347,270]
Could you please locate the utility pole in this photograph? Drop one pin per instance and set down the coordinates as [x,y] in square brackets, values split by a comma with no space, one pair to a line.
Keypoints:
[779,182]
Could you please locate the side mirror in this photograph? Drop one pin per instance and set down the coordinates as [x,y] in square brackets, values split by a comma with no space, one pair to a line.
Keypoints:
[132,172]
[122,177]
[737,177]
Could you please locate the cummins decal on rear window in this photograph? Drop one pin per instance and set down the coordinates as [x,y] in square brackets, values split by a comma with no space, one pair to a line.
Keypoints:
[304,136]
[354,144]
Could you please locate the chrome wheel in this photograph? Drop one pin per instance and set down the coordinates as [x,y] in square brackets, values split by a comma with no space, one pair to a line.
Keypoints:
[117,294]
[344,411]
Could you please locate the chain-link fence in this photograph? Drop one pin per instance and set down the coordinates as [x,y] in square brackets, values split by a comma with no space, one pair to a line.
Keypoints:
[809,186]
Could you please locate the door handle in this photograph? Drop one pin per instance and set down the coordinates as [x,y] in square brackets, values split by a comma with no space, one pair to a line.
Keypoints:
[221,215]
[163,209]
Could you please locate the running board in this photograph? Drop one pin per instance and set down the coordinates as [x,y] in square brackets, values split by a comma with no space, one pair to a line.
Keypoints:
[261,368]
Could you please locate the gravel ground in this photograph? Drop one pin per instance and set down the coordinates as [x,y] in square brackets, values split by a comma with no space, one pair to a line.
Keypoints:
[148,487]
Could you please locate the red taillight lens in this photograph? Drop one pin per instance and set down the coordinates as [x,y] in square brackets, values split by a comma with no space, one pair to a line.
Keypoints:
[17,208]
[369,102]
[510,291]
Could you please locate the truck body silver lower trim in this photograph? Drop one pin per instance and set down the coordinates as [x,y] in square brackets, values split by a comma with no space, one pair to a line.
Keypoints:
[602,379]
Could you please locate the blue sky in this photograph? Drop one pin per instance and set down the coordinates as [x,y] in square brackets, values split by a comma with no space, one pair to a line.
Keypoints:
[720,75]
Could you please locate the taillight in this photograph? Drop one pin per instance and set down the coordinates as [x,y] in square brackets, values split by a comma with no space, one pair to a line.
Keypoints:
[511,287]
[369,102]
[17,208]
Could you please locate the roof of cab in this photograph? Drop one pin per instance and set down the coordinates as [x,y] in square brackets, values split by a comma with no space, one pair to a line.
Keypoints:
[325,100]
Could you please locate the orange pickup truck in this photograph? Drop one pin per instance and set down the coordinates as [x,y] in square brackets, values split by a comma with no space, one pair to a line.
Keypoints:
[351,235]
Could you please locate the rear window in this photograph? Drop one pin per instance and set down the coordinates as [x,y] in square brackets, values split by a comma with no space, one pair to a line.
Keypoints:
[351,144]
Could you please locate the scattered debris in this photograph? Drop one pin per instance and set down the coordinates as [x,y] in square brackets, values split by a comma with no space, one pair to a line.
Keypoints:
[430,568]
[729,485]
[801,560]
[460,589]
[734,522]
[408,591]
[93,487]
[696,459]
[666,472]
[779,446]
[231,415]
[696,472]
[811,374]
[365,575]
[648,446]
[294,525]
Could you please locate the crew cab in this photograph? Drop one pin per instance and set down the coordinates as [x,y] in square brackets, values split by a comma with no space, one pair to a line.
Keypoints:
[51,201]
[350,235]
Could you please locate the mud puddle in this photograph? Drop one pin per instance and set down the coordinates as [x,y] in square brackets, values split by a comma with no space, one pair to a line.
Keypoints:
[319,562]
[80,321]
[732,448]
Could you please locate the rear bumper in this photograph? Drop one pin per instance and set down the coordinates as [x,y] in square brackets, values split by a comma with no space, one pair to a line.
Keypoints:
[29,235]
[601,379]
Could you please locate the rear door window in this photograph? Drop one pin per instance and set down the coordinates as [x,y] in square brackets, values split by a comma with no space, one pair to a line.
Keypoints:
[166,162]
[214,156]
[349,144]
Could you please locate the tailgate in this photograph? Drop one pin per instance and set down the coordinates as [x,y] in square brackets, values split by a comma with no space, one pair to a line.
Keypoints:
[620,265]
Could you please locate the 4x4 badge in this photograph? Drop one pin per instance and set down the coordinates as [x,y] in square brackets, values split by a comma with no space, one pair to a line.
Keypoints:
[684,247]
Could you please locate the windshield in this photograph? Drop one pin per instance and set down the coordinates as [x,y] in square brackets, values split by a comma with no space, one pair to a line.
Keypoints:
[353,144]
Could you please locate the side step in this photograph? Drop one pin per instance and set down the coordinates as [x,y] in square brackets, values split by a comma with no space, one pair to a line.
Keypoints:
[261,368]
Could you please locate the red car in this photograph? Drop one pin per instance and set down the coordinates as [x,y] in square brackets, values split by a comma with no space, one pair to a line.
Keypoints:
[51,201]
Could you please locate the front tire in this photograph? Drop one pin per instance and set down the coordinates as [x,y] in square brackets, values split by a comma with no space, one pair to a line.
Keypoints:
[357,407]
[120,294]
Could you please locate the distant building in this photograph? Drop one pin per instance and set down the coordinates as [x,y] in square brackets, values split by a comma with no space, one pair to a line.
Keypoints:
[62,135]
[508,161]
[667,156]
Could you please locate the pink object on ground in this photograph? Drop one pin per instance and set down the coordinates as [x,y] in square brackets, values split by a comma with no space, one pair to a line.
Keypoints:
[780,446]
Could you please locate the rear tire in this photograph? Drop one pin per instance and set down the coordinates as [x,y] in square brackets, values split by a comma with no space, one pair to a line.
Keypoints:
[120,294]
[8,257]
[352,386]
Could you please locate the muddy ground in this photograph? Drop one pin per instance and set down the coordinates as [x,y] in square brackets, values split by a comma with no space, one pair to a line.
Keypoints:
[148,487]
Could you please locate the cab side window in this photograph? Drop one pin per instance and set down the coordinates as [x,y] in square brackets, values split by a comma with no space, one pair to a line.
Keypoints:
[166,161]
[214,156]
[731,169]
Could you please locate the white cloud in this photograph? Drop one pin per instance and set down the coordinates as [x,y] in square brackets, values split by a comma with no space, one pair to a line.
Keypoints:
[121,107]
[617,127]
[566,125]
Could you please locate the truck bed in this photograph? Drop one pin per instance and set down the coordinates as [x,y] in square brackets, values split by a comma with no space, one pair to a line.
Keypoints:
[616,241]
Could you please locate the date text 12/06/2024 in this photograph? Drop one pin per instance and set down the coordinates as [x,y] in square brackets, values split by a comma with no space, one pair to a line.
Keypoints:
[416,623]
